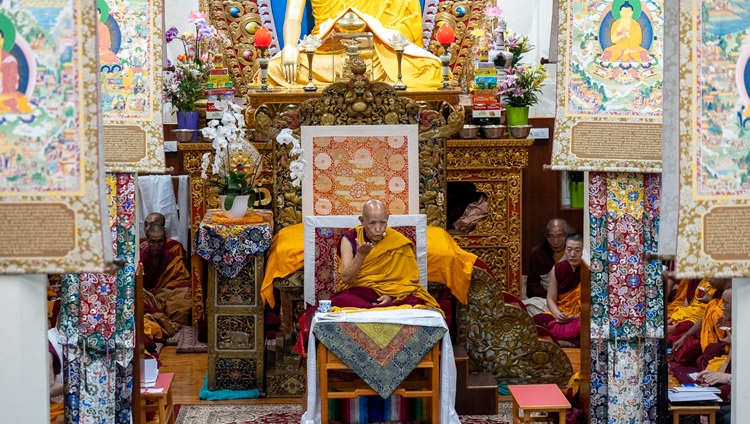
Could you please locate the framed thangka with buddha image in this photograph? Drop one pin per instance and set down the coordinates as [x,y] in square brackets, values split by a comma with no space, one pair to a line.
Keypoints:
[130,58]
[714,167]
[51,156]
[610,74]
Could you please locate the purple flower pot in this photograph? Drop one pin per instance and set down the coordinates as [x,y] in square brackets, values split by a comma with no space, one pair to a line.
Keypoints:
[188,121]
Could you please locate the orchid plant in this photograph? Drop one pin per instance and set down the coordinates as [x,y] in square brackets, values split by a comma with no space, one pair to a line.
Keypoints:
[232,152]
[297,166]
[184,85]
[522,86]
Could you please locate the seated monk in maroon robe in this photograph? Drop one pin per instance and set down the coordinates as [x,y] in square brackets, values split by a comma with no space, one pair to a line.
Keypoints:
[701,343]
[378,265]
[564,295]
[166,283]
[378,269]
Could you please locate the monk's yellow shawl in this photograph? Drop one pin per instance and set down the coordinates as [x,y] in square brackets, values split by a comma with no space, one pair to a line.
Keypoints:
[420,69]
[286,255]
[447,263]
[710,332]
[695,310]
[570,303]
[679,297]
[56,409]
[391,268]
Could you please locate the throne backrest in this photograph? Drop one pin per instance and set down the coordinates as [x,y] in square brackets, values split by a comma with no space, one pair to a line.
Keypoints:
[323,236]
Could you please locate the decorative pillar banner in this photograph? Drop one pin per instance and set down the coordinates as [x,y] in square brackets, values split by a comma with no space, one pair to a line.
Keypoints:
[51,174]
[609,102]
[713,238]
[130,57]
[627,306]
[97,323]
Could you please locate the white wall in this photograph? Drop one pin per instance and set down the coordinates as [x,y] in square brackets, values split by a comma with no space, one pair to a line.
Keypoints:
[533,18]
[24,376]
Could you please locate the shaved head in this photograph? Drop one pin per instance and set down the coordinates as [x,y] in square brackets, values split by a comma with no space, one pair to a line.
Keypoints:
[374,219]
[154,218]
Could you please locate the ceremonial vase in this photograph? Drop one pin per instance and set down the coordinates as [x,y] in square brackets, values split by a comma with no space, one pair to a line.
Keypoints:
[238,209]
[188,121]
[516,115]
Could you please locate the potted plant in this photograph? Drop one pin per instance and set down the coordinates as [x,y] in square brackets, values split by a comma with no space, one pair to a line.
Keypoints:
[185,81]
[232,154]
[519,91]
[236,163]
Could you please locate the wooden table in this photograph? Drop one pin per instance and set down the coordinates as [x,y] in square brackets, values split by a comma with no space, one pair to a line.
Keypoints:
[545,398]
[159,398]
[678,410]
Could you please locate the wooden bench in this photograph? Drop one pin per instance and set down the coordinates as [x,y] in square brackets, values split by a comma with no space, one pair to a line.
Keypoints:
[680,410]
[541,398]
[160,401]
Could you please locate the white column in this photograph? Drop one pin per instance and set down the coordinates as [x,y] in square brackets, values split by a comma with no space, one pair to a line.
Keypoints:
[740,343]
[24,386]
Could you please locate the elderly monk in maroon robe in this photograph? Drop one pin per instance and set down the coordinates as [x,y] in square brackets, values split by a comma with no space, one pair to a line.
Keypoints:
[378,265]
[543,258]
[166,283]
[564,295]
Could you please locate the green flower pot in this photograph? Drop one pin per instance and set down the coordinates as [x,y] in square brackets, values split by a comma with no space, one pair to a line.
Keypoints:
[516,115]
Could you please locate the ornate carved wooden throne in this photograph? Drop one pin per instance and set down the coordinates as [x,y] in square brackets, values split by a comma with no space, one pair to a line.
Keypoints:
[508,347]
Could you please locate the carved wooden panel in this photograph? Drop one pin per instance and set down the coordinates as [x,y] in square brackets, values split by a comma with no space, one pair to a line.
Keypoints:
[502,339]
[236,329]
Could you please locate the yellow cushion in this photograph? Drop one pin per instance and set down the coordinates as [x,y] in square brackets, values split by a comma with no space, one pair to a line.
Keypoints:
[287,255]
[448,264]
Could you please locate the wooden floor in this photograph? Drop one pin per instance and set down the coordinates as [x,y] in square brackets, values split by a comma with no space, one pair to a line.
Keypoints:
[190,372]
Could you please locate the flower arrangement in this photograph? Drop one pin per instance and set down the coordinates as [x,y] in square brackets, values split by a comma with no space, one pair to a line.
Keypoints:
[184,85]
[297,166]
[232,152]
[522,86]
[518,45]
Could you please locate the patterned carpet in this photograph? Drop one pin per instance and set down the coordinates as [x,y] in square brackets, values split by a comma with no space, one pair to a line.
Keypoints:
[290,414]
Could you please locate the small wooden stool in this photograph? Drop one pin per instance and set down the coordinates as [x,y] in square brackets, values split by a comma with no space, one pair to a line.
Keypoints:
[545,398]
[160,402]
[680,410]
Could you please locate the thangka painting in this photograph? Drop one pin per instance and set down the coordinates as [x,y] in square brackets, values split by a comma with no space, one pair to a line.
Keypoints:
[350,164]
[712,238]
[130,59]
[609,101]
[51,176]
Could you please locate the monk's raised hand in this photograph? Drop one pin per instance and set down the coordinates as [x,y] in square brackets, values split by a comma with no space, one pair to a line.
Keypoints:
[383,300]
[289,60]
[364,248]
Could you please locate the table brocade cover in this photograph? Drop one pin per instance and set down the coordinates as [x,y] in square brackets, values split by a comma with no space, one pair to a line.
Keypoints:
[381,354]
[229,247]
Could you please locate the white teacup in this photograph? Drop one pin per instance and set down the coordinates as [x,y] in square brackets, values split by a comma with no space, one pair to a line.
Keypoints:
[324,306]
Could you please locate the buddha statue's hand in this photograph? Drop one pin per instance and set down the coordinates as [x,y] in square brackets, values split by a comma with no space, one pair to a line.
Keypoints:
[289,61]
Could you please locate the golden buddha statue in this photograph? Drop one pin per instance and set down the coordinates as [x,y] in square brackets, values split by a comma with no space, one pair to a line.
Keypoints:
[383,19]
